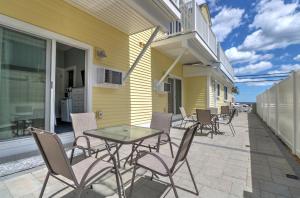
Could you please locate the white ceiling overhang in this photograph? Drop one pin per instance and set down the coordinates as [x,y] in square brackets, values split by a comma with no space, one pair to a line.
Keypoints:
[130,16]
[197,51]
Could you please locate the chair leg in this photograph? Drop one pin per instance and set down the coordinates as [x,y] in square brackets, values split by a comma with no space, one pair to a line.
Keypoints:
[171,149]
[132,180]
[232,129]
[79,192]
[131,156]
[193,179]
[118,182]
[97,153]
[118,159]
[72,155]
[44,185]
[149,148]
[173,186]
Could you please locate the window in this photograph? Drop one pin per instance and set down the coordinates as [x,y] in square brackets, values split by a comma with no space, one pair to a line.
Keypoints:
[225,93]
[218,90]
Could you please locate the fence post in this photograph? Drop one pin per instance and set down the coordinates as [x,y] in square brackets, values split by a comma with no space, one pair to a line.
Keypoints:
[295,113]
[277,109]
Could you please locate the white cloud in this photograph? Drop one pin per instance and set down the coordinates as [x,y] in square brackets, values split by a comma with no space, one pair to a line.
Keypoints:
[238,56]
[251,81]
[297,58]
[225,21]
[276,25]
[253,68]
[259,84]
[286,68]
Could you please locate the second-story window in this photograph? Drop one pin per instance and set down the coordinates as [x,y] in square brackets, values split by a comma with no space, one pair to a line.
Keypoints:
[225,93]
[218,90]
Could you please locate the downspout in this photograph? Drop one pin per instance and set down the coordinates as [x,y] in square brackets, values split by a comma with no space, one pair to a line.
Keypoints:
[172,66]
[141,53]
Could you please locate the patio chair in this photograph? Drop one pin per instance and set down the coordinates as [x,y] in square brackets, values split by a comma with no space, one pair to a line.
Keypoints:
[185,118]
[82,122]
[225,111]
[228,122]
[205,118]
[213,110]
[164,165]
[160,121]
[81,175]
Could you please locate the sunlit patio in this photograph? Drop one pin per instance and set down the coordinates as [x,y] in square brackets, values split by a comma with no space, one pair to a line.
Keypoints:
[254,163]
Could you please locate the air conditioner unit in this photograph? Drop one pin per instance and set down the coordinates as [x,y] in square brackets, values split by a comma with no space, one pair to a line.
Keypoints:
[108,78]
[162,87]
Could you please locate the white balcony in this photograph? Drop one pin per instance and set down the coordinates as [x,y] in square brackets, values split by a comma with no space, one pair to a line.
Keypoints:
[193,21]
[131,16]
[193,32]
[225,65]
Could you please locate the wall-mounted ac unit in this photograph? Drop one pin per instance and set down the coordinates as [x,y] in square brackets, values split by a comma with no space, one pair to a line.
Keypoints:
[105,77]
[162,87]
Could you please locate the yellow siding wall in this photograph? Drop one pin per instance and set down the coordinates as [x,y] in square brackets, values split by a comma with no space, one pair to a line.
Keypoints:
[195,92]
[130,104]
[220,100]
[140,80]
[160,64]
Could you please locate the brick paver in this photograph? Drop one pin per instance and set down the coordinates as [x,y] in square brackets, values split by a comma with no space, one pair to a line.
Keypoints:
[251,164]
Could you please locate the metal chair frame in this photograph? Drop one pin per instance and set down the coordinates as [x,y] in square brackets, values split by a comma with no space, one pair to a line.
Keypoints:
[179,159]
[85,182]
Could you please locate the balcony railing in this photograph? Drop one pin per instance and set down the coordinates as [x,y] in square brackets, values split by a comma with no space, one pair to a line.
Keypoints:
[176,2]
[225,62]
[192,20]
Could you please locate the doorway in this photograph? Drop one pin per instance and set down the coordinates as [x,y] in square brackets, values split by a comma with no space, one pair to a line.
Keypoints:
[69,85]
[175,95]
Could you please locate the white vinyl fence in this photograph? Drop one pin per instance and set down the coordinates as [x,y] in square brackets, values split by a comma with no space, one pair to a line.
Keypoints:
[279,107]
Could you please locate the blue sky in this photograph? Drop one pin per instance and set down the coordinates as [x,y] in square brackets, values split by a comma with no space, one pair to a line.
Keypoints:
[259,37]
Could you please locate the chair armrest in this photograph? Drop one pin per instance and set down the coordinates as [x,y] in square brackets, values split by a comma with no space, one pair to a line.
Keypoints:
[86,138]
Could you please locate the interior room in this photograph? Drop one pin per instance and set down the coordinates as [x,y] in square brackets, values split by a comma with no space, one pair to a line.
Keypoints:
[69,85]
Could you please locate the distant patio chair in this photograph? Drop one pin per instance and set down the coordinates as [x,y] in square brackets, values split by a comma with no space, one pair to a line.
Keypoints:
[205,118]
[82,122]
[185,118]
[225,111]
[213,110]
[164,165]
[160,121]
[228,122]
[82,175]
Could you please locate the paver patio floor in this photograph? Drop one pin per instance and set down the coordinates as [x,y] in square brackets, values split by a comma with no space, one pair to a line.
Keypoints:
[254,163]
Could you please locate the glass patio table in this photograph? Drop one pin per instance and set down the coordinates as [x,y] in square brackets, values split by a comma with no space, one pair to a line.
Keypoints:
[124,134]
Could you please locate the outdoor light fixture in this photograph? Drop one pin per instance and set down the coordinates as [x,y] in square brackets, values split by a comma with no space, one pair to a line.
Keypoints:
[101,53]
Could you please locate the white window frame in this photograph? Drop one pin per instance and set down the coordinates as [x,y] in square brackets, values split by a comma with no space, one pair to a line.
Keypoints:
[225,93]
[218,90]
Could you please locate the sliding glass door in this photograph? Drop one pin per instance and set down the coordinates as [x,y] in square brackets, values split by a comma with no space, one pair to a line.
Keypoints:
[174,96]
[23,83]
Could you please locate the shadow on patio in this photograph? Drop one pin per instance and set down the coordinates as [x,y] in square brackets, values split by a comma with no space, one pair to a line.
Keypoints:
[271,162]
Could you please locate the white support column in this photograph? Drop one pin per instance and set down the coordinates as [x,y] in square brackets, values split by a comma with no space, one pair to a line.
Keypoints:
[172,66]
[141,53]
